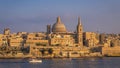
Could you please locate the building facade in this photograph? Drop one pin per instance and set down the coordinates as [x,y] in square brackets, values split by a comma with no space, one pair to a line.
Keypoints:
[58,42]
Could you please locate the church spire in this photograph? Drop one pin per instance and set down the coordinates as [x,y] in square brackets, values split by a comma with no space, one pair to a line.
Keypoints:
[58,19]
[79,33]
[79,21]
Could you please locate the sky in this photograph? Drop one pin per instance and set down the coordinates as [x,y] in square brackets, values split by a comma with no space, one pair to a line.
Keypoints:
[101,16]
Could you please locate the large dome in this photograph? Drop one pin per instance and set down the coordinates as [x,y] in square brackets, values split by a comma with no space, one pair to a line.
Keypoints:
[59,27]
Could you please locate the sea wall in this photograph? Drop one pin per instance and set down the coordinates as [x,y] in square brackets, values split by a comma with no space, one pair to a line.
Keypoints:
[111,51]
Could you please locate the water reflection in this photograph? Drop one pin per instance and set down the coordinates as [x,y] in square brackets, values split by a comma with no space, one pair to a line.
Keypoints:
[62,63]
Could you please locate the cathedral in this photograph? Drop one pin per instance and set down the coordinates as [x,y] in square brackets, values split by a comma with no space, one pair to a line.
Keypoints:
[58,34]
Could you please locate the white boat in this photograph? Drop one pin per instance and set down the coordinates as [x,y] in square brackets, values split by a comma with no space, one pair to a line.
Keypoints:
[35,61]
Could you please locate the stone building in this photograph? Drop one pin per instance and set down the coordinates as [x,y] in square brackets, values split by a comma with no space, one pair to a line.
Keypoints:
[102,38]
[111,51]
[115,42]
[60,35]
[6,31]
[36,39]
[15,41]
[56,40]
[48,29]
[57,35]
[90,39]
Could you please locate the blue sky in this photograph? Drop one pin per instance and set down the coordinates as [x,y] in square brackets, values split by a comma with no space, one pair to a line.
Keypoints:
[34,15]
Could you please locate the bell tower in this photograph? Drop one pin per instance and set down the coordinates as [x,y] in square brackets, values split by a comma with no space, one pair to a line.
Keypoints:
[79,33]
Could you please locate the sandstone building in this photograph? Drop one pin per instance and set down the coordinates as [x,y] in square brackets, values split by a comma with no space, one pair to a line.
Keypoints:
[58,42]
[60,35]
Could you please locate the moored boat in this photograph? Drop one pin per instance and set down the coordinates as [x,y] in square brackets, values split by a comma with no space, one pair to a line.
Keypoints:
[35,61]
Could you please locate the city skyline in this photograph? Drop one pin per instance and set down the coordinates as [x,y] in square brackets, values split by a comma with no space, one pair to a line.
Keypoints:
[33,16]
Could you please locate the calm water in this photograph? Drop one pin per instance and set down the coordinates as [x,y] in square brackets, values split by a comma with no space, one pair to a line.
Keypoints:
[109,62]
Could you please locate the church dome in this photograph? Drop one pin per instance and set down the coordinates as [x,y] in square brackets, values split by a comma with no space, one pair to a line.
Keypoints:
[59,27]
